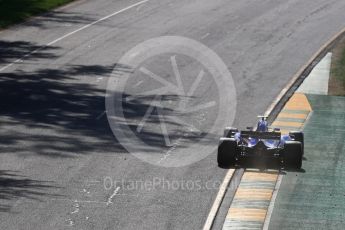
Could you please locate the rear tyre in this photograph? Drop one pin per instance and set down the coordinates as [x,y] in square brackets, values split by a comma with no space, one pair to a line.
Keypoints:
[293,154]
[229,132]
[227,152]
[298,136]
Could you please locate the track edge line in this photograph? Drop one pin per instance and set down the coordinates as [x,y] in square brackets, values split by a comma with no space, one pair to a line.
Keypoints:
[293,84]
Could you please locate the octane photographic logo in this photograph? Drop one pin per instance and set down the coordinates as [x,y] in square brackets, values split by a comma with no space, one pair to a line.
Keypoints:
[168,100]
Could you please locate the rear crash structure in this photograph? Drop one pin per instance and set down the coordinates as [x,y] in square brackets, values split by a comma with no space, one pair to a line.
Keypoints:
[261,144]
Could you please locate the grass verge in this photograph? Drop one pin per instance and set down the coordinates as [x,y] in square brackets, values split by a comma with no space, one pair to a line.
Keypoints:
[337,78]
[15,11]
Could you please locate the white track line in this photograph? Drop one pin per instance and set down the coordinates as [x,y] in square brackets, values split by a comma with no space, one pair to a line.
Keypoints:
[219,198]
[301,70]
[276,101]
[208,224]
[273,200]
[73,32]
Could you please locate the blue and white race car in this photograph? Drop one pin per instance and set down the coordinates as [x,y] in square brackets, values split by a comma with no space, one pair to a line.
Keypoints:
[261,144]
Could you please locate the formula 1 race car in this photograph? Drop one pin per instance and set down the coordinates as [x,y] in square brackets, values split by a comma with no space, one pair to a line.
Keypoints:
[262,144]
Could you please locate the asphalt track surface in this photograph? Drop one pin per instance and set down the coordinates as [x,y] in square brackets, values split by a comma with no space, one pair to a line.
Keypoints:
[56,148]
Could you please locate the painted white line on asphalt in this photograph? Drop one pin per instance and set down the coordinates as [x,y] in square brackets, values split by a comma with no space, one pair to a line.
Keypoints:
[219,198]
[301,70]
[273,200]
[73,32]
[281,95]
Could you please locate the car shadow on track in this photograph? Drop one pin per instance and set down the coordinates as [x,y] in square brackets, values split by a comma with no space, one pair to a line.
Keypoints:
[263,166]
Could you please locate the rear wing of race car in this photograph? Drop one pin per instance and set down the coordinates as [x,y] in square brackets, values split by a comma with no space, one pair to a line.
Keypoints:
[261,135]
